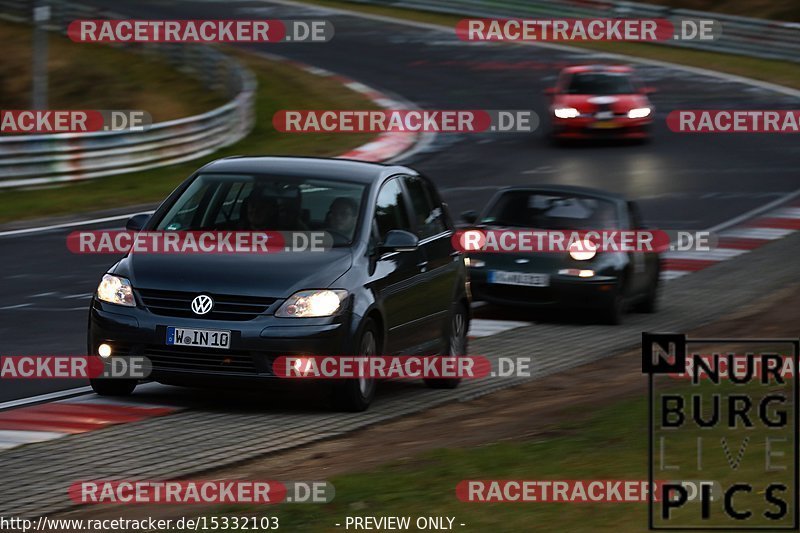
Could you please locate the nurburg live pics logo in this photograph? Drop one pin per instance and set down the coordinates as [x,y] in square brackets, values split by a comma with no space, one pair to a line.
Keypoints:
[731,421]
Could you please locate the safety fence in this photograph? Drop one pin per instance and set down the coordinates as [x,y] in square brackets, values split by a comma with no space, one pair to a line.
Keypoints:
[34,160]
[740,35]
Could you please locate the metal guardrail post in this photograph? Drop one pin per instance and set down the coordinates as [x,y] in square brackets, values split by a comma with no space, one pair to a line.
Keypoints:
[27,160]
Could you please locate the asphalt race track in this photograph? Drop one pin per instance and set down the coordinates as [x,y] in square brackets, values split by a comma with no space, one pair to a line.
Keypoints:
[682,181]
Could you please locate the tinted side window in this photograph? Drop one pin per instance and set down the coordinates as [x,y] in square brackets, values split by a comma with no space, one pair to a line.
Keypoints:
[427,213]
[390,211]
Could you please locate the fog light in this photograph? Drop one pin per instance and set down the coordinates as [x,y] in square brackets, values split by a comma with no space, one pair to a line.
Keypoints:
[578,272]
[104,350]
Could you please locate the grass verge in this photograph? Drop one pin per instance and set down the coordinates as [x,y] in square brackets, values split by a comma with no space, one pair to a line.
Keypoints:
[96,76]
[280,86]
[780,72]
[610,444]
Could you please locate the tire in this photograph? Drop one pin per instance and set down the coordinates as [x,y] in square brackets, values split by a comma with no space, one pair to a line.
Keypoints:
[615,309]
[355,395]
[113,387]
[456,345]
[650,302]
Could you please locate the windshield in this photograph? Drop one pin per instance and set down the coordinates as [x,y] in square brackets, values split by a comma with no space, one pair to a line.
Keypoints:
[546,210]
[226,202]
[600,83]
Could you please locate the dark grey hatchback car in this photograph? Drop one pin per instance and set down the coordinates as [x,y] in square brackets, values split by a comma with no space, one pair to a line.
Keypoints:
[391,283]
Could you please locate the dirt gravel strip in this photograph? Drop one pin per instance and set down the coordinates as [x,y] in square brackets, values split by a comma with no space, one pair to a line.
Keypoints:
[203,439]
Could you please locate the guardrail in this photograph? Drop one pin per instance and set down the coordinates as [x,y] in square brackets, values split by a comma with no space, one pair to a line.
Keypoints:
[30,160]
[761,38]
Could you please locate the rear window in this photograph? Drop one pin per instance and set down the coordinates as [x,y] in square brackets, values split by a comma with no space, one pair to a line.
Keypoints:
[551,211]
[600,83]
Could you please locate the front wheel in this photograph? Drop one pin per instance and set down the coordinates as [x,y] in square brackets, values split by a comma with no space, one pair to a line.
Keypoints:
[113,387]
[355,395]
[650,302]
[614,310]
[456,346]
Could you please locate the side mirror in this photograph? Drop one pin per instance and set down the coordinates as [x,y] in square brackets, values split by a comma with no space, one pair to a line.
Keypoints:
[470,217]
[399,240]
[550,91]
[137,222]
[648,90]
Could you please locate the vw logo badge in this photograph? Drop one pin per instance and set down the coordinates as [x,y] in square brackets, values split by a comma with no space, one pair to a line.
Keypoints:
[202,304]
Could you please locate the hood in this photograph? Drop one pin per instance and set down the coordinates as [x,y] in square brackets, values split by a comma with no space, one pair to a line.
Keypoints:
[586,103]
[275,275]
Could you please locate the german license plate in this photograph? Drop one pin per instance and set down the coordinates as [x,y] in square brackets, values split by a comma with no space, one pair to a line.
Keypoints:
[201,338]
[606,125]
[519,278]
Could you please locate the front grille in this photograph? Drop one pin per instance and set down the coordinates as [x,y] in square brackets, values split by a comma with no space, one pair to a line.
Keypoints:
[226,307]
[188,359]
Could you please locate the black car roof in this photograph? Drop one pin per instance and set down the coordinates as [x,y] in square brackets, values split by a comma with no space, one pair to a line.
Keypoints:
[310,167]
[570,189]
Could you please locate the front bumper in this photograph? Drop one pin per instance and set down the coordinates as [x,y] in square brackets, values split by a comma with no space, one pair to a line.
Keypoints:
[567,292]
[591,128]
[254,343]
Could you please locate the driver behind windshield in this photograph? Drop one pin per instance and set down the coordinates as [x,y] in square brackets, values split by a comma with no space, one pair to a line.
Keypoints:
[261,212]
[342,217]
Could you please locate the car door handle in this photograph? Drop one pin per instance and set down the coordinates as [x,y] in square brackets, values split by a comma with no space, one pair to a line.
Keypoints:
[423,266]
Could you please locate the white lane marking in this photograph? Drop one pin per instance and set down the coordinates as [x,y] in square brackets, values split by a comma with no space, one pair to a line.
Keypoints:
[787,212]
[767,234]
[75,296]
[667,275]
[49,397]
[717,254]
[18,306]
[481,327]
[562,47]
[13,438]
[49,309]
[43,294]
[754,212]
[71,224]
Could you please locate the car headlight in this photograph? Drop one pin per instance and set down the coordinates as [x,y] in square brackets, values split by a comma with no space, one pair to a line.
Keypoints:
[312,303]
[565,112]
[115,290]
[639,112]
[582,250]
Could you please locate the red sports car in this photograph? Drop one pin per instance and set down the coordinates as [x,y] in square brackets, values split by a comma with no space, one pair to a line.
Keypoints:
[594,101]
